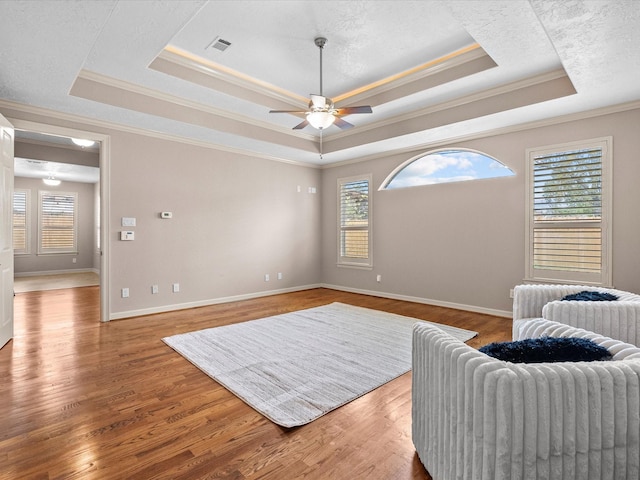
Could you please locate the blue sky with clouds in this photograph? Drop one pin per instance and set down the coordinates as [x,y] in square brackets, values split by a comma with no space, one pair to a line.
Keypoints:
[449,166]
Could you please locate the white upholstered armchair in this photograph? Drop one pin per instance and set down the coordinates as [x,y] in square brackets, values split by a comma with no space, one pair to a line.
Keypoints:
[478,418]
[618,319]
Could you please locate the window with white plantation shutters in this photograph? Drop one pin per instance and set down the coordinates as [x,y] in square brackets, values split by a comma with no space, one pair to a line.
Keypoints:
[354,225]
[569,213]
[20,221]
[57,222]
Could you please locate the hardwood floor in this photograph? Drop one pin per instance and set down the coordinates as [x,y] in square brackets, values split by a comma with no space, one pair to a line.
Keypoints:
[82,399]
[54,282]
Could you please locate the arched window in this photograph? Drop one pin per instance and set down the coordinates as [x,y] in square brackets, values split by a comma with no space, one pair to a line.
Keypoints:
[447,165]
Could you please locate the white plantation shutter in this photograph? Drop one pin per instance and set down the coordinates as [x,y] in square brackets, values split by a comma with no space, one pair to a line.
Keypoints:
[57,222]
[20,221]
[354,213]
[569,190]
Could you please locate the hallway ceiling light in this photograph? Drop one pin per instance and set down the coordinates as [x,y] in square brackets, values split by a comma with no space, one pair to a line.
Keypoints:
[51,181]
[81,142]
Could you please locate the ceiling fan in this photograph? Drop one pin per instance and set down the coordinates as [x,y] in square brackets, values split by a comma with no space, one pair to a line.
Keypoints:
[322,113]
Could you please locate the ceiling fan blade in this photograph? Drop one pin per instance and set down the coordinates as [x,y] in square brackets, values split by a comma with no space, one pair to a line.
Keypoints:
[287,111]
[352,110]
[343,124]
[301,125]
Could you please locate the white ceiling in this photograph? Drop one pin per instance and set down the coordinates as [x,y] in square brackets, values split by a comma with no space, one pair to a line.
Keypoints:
[478,66]
[66,172]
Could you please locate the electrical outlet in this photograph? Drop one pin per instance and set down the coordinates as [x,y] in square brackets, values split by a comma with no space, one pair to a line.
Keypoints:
[125,293]
[176,287]
[266,277]
[154,289]
[511,293]
[378,278]
[279,275]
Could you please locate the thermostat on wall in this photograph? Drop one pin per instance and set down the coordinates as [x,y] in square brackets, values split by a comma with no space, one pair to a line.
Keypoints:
[166,215]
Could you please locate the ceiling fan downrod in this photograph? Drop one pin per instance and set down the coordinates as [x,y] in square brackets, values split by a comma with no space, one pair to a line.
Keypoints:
[320,43]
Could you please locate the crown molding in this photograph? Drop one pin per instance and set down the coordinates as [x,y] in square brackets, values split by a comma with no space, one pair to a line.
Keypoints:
[288,137]
[459,64]
[192,68]
[83,122]
[488,102]
[458,102]
[548,122]
[195,69]
[101,79]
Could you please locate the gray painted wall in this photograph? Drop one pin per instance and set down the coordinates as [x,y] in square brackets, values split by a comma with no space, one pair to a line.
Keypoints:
[464,243]
[236,218]
[51,153]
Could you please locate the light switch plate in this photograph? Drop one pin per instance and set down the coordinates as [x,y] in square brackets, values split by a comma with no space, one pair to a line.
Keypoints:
[128,222]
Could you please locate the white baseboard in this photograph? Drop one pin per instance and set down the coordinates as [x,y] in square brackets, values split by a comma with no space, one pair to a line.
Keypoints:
[426,301]
[204,303]
[249,296]
[56,272]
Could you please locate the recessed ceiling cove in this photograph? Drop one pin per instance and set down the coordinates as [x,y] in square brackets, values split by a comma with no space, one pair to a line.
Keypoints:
[433,71]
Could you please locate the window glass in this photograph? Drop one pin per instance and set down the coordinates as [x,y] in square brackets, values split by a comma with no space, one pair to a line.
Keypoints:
[442,166]
[57,222]
[354,225]
[20,221]
[568,213]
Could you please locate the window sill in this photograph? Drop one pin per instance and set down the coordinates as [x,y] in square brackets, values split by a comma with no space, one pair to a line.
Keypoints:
[357,266]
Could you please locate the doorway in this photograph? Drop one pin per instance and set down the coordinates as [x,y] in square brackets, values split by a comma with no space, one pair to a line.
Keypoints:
[46,153]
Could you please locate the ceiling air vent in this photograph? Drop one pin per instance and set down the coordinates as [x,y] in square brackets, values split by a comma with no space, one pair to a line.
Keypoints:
[220,44]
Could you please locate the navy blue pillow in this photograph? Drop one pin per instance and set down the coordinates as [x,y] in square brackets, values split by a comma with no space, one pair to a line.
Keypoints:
[547,349]
[591,296]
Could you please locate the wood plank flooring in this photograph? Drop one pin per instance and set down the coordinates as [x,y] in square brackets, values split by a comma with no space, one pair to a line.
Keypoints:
[55,281]
[82,399]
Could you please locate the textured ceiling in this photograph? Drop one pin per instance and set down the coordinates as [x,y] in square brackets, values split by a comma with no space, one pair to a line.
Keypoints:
[432,70]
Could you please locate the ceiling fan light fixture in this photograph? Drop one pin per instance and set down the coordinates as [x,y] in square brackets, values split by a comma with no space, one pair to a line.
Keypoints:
[81,142]
[320,120]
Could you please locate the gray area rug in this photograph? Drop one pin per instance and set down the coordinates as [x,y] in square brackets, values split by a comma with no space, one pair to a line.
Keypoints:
[295,367]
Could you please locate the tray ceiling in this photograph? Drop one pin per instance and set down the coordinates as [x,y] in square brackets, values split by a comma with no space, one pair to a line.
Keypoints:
[433,71]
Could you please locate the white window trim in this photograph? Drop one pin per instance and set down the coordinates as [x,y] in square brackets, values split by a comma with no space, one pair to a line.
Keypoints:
[51,251]
[605,277]
[27,233]
[366,264]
